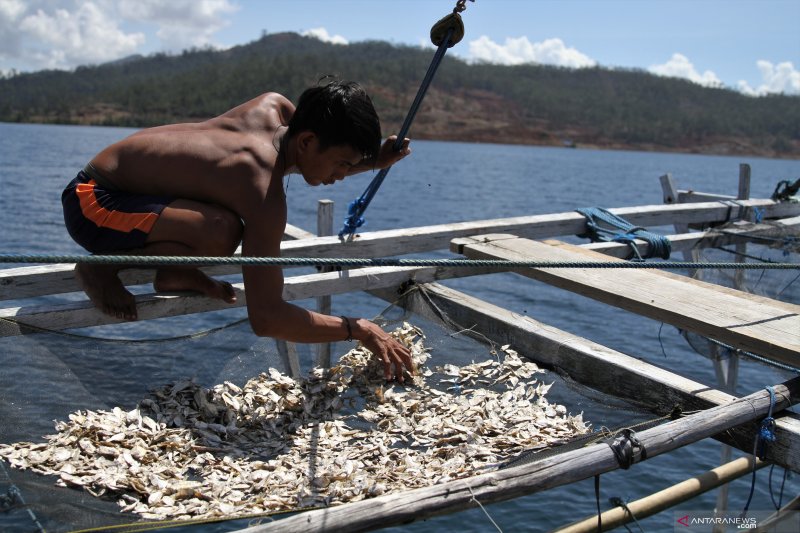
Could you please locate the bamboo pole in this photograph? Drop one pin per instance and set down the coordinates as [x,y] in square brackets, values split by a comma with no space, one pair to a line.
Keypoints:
[669,497]
[569,467]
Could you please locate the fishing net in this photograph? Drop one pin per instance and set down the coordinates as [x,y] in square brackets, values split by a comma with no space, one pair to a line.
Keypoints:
[213,426]
[766,242]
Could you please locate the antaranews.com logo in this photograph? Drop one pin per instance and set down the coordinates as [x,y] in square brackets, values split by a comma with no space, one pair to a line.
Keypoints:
[708,521]
[690,521]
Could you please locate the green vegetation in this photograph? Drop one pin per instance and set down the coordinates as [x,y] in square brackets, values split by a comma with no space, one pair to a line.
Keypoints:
[528,104]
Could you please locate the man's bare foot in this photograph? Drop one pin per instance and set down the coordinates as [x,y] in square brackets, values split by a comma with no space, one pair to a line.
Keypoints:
[192,279]
[104,288]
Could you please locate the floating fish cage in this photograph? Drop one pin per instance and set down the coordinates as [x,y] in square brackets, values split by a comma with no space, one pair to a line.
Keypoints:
[317,442]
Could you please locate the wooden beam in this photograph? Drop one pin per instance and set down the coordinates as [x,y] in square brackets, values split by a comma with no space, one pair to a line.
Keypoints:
[749,323]
[38,280]
[694,197]
[594,365]
[27,282]
[31,281]
[684,242]
[83,314]
[569,467]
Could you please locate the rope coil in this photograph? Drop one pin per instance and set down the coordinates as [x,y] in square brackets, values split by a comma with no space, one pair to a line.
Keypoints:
[658,245]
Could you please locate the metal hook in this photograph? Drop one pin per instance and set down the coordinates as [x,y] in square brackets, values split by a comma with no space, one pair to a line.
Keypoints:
[461,5]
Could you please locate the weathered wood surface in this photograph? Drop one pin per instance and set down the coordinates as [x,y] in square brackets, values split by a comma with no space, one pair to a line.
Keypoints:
[31,281]
[594,365]
[83,314]
[26,282]
[686,242]
[39,280]
[749,322]
[513,482]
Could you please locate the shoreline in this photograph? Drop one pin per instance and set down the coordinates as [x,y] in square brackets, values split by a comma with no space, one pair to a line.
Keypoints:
[538,137]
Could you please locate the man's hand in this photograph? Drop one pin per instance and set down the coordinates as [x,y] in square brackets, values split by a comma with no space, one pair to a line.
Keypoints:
[386,348]
[388,156]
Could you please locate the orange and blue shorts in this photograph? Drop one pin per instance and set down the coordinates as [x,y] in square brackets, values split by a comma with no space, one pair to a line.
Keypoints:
[102,219]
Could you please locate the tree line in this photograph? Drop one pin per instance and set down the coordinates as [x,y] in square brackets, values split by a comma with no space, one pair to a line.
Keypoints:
[533,103]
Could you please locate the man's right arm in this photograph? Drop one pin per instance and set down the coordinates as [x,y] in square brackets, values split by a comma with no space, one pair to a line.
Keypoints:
[270,315]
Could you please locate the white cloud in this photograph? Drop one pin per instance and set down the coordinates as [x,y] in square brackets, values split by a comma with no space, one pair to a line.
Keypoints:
[679,66]
[61,38]
[10,13]
[780,78]
[181,23]
[36,34]
[519,50]
[323,35]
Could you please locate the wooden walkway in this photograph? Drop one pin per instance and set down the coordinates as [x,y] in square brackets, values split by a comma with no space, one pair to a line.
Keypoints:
[746,321]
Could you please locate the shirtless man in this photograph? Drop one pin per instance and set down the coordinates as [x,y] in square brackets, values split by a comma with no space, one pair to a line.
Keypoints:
[199,189]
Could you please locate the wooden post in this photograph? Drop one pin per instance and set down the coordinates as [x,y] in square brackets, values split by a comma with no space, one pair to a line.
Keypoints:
[728,369]
[324,229]
[670,189]
[288,353]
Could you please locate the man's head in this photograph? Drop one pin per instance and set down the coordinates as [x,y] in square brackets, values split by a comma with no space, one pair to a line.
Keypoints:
[339,113]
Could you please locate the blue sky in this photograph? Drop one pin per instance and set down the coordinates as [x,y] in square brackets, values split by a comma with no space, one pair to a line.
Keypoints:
[747,45]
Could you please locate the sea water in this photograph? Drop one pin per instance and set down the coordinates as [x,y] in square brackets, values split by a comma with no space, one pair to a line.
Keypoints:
[443,182]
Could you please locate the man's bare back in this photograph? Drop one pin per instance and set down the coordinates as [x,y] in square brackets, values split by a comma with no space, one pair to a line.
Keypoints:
[212,161]
[225,179]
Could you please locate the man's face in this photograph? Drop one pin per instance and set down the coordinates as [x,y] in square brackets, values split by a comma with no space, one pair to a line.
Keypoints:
[326,167]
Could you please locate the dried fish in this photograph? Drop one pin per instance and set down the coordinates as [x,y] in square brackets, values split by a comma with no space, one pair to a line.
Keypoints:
[338,435]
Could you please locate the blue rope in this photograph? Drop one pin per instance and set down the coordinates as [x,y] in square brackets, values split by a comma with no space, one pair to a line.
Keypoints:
[355,211]
[658,245]
[765,435]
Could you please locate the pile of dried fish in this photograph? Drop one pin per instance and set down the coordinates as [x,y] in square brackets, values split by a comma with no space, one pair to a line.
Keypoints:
[277,443]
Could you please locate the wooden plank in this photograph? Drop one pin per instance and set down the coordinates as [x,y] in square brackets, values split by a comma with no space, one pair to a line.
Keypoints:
[569,467]
[294,233]
[755,326]
[689,197]
[40,279]
[83,314]
[594,365]
[32,281]
[684,242]
[437,237]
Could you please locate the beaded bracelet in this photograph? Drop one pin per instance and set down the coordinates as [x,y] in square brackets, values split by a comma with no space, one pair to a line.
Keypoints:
[349,328]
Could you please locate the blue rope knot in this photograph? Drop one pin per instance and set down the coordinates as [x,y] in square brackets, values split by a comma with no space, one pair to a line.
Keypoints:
[766,434]
[354,219]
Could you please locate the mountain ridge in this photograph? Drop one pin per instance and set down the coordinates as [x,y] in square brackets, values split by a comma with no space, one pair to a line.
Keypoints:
[523,104]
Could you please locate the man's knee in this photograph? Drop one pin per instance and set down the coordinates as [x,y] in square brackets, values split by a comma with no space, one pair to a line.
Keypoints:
[222,231]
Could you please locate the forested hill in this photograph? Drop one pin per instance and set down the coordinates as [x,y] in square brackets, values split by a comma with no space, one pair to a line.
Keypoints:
[526,104]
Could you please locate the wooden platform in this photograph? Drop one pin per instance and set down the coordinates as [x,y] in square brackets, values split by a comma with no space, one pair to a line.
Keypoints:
[749,322]
[760,325]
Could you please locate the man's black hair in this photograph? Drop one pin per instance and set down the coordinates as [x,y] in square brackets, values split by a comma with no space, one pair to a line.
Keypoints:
[339,113]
